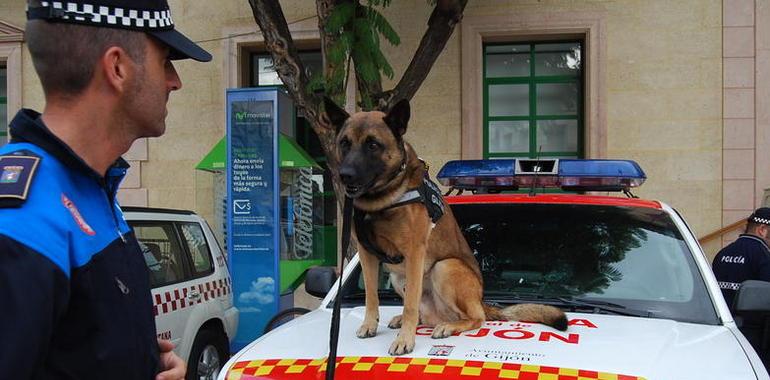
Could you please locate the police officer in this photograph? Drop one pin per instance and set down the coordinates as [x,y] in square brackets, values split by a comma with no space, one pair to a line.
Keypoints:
[74,288]
[747,258]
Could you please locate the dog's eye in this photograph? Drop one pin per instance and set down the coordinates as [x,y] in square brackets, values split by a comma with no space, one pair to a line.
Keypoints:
[373,145]
[344,143]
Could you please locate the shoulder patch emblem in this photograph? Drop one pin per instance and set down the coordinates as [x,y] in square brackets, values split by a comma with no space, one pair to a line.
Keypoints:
[76,215]
[16,174]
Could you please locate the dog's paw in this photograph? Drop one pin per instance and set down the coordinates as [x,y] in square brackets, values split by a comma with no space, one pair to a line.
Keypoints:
[395,323]
[402,345]
[367,330]
[442,330]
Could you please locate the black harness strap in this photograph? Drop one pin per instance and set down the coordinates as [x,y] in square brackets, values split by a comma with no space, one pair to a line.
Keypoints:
[365,237]
[334,331]
[432,199]
[428,194]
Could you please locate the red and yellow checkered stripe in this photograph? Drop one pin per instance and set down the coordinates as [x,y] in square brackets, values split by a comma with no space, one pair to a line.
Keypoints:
[393,368]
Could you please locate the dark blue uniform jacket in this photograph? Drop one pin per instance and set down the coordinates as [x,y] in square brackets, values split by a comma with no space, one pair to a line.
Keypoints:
[74,288]
[747,258]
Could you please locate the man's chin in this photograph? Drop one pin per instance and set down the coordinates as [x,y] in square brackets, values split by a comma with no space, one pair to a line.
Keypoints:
[154,132]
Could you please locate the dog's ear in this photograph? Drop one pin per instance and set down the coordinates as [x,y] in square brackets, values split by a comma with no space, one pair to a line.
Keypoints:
[398,118]
[336,114]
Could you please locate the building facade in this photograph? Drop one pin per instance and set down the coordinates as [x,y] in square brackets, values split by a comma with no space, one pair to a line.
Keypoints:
[681,87]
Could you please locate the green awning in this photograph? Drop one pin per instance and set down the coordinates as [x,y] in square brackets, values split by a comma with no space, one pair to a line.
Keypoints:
[215,159]
[291,156]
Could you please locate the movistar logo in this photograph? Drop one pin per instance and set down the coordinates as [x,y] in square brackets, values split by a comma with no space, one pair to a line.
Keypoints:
[241,116]
[245,115]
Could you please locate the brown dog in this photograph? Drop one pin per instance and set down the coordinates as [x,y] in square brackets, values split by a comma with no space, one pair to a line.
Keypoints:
[431,265]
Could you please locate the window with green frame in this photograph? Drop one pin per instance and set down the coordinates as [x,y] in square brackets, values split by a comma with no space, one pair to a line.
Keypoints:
[3,105]
[533,99]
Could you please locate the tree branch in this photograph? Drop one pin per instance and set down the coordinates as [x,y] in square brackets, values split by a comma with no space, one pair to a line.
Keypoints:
[441,24]
[269,16]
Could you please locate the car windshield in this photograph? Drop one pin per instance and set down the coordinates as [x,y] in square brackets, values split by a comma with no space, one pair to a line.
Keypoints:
[622,260]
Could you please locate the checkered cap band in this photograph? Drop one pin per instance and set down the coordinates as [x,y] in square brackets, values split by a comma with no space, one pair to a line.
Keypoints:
[729,285]
[110,16]
[757,219]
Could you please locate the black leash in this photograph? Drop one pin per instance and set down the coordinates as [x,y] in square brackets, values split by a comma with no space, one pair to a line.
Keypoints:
[334,332]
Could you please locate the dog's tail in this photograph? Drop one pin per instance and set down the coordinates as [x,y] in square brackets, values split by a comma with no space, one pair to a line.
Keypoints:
[529,312]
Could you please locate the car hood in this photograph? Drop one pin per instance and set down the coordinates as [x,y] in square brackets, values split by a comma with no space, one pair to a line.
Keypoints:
[593,347]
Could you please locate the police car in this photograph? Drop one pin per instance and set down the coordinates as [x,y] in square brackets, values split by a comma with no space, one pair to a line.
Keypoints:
[191,289]
[639,294]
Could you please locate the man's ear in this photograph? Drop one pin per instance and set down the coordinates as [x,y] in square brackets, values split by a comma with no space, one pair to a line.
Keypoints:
[115,66]
[398,117]
[336,114]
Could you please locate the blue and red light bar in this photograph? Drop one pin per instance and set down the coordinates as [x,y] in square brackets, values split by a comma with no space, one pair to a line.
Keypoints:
[567,174]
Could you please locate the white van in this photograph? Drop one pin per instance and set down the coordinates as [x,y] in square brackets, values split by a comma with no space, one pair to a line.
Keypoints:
[191,288]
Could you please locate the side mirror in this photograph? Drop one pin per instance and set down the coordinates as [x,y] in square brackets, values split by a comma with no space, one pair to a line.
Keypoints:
[753,298]
[319,280]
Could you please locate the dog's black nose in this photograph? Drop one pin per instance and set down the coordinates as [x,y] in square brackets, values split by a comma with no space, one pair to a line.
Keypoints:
[347,174]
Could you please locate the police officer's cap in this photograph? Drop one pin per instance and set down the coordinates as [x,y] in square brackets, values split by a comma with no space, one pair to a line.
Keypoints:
[150,16]
[761,215]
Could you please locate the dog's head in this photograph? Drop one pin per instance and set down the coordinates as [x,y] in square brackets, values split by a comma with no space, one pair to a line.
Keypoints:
[370,146]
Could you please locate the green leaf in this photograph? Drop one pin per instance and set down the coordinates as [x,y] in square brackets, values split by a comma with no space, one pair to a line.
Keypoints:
[338,76]
[348,40]
[370,61]
[383,64]
[365,66]
[337,52]
[369,72]
[366,103]
[340,16]
[384,27]
[315,82]
[366,39]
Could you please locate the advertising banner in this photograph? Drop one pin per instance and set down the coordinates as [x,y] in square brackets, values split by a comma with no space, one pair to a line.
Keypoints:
[252,208]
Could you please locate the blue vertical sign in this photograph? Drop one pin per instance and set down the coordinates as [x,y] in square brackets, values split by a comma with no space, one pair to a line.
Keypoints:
[252,210]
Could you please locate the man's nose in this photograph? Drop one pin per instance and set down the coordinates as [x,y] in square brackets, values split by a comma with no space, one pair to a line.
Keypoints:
[172,78]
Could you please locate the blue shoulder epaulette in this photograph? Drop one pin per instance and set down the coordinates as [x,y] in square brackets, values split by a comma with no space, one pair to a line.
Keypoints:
[17,170]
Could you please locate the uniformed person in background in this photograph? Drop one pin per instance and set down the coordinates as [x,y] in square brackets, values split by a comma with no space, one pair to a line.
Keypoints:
[747,258]
[74,286]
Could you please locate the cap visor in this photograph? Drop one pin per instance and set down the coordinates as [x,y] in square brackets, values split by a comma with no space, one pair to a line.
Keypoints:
[181,46]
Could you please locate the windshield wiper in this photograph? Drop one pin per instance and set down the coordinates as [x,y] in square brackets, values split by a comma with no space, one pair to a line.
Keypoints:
[570,303]
[604,306]
[381,294]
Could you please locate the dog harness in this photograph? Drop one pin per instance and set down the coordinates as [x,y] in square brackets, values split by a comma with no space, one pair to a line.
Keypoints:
[427,193]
